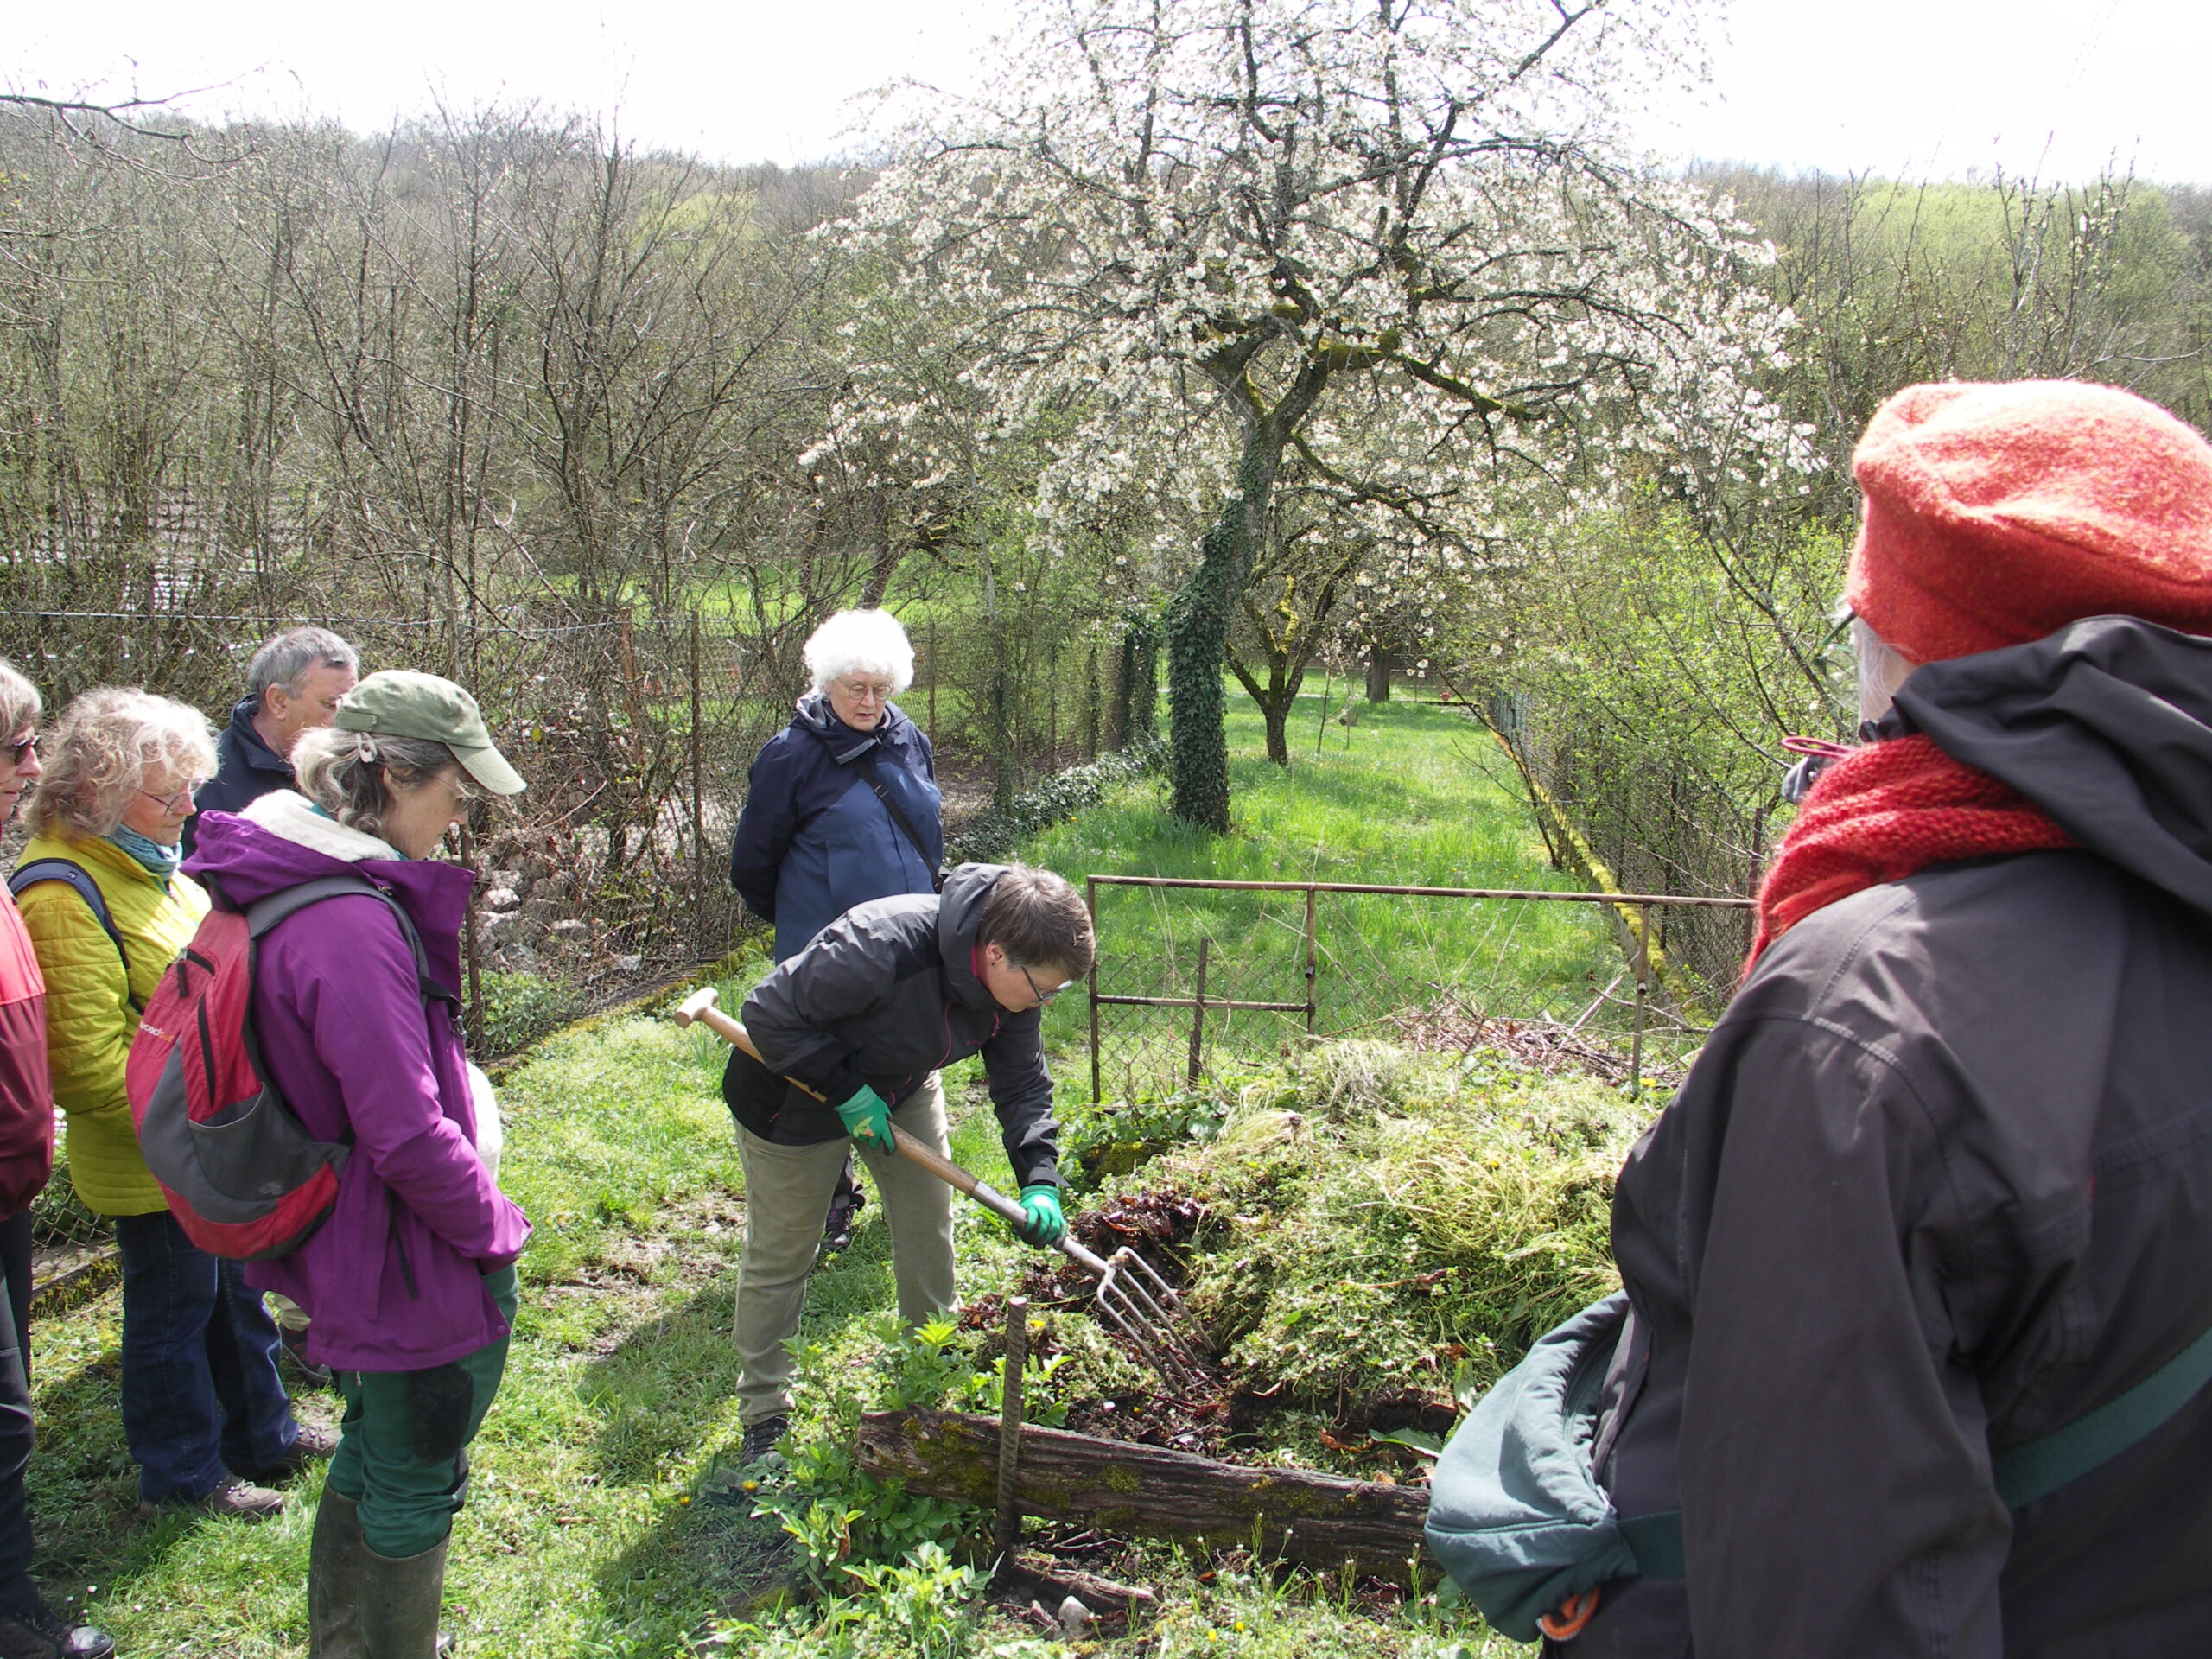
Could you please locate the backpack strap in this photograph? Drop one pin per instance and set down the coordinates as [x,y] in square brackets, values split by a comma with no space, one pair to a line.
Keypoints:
[868,762]
[265,913]
[2024,1472]
[79,880]
[2040,1467]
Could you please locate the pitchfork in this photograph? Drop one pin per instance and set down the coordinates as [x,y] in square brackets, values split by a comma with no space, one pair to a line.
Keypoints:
[1132,1298]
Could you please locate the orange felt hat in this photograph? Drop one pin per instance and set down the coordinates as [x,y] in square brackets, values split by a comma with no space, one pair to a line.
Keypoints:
[1997,514]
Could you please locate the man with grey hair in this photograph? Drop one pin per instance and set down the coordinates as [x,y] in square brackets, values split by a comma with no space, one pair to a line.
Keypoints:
[294,682]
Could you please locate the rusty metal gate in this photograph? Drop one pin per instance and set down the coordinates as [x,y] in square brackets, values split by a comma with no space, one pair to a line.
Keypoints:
[1210,974]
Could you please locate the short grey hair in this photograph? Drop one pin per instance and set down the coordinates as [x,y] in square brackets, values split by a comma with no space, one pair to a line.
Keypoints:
[1039,920]
[353,775]
[1881,669]
[287,659]
[109,741]
[859,642]
[20,702]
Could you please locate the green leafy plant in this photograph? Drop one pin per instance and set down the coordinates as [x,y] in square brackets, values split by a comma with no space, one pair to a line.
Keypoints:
[992,835]
[928,1596]
[520,1009]
[1115,1136]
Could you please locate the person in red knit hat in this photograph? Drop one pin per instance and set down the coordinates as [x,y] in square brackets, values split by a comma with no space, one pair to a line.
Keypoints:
[1918,1263]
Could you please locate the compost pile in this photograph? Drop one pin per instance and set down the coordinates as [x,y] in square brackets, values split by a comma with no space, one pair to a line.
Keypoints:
[1365,1247]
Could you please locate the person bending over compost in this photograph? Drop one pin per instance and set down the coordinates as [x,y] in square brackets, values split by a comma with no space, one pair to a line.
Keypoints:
[1935,1203]
[864,1016]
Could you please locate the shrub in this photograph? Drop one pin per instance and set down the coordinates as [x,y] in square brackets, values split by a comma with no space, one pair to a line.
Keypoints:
[990,837]
[520,1009]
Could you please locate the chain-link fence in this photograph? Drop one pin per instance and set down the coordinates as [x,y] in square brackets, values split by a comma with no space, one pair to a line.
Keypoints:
[605,877]
[1197,976]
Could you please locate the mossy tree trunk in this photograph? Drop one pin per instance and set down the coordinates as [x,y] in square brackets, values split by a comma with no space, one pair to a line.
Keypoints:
[1198,639]
[1123,1488]
[1199,618]
[1287,608]
[1134,713]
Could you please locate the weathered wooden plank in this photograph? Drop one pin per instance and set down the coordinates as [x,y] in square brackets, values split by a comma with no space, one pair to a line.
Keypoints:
[1316,1520]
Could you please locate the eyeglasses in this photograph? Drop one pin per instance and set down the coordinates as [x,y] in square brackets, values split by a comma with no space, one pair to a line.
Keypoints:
[1042,995]
[864,692]
[180,802]
[21,749]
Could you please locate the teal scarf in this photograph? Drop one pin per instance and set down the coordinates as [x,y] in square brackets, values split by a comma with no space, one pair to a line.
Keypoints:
[160,862]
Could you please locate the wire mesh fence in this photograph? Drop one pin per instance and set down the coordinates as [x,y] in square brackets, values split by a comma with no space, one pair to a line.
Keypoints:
[1197,977]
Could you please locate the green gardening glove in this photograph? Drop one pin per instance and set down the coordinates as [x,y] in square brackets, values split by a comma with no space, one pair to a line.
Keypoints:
[867,1119]
[1047,1225]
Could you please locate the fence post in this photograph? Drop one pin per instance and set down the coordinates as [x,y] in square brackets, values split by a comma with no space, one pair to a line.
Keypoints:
[1006,1530]
[1642,973]
[1198,1014]
[1090,702]
[932,683]
[469,945]
[1090,902]
[1312,1002]
[698,803]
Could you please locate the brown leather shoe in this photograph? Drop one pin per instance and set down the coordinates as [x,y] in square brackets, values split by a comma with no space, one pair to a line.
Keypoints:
[232,1496]
[45,1634]
[313,1443]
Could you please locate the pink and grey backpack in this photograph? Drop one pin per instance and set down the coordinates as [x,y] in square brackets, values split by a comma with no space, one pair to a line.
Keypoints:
[243,1176]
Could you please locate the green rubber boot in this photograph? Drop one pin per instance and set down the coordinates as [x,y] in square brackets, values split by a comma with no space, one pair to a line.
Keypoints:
[400,1598]
[334,1557]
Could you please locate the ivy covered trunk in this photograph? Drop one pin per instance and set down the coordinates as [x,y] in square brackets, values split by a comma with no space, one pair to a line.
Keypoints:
[1136,683]
[1197,639]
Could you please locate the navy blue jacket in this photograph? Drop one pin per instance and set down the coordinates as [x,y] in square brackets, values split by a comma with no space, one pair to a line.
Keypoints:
[815,839]
[245,769]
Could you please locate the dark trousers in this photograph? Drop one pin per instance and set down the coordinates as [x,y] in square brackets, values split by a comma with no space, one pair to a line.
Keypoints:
[402,1449]
[17,1594]
[200,1389]
[16,1267]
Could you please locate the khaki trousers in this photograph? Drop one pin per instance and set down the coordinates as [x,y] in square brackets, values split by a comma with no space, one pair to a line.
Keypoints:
[787,1190]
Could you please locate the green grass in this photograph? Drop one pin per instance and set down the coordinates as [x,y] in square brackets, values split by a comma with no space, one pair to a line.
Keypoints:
[577,1537]
[589,1529]
[1410,796]
[593,1527]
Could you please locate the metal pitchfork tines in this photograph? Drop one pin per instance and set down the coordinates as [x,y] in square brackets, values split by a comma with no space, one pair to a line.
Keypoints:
[1132,1299]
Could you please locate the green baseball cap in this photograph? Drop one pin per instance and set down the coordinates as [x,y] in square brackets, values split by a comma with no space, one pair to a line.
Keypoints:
[402,703]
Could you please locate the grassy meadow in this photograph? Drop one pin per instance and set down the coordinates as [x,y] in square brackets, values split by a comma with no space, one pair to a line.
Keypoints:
[1411,794]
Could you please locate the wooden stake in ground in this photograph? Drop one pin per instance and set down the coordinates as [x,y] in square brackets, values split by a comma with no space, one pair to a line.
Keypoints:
[1317,1520]
[1008,1530]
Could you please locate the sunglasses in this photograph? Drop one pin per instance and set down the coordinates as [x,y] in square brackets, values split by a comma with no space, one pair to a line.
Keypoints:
[23,749]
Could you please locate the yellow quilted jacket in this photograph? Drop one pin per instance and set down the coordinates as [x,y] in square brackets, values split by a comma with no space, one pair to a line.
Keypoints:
[89,1019]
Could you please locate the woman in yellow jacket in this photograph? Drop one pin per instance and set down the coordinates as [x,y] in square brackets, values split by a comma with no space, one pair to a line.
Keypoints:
[204,1414]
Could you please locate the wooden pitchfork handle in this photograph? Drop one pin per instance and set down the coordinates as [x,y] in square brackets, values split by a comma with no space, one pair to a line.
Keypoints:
[699,1008]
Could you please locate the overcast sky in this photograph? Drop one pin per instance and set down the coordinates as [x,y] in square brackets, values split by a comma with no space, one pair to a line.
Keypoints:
[1901,87]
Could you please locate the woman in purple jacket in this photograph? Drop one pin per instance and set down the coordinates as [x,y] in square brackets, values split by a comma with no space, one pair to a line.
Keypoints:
[410,1282]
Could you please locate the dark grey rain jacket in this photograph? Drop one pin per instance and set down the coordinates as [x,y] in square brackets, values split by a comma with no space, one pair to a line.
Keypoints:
[884,995]
[1941,1182]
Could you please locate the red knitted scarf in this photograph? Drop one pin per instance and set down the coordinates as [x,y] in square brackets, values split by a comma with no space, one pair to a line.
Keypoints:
[1883,812]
